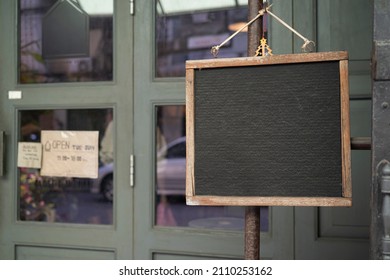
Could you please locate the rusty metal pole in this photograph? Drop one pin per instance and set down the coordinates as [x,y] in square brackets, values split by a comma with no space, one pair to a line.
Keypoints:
[252,213]
[255,30]
[252,233]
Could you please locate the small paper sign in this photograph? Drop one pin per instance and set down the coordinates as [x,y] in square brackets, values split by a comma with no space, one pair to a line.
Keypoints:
[29,154]
[70,153]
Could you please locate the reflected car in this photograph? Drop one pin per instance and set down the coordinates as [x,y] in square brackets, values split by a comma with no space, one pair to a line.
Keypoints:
[171,168]
[104,184]
[170,177]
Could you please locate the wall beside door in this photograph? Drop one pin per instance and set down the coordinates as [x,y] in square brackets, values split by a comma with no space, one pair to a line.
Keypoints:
[301,233]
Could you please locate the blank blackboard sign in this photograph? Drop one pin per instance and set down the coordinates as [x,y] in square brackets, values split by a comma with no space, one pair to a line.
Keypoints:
[271,131]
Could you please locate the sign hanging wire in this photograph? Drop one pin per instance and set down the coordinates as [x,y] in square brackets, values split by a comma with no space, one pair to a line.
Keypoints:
[308,46]
[215,49]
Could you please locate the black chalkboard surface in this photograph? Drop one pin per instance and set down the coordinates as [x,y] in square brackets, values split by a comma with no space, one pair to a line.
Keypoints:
[269,131]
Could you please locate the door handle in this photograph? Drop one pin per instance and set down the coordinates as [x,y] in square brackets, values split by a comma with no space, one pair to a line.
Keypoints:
[2,152]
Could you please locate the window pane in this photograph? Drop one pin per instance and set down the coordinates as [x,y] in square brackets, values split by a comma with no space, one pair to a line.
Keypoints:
[67,199]
[171,209]
[187,31]
[65,41]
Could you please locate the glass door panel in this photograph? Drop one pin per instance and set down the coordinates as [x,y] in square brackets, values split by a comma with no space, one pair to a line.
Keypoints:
[67,199]
[185,34]
[65,41]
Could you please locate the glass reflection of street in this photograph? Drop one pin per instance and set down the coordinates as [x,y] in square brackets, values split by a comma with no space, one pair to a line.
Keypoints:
[64,201]
[173,211]
[83,208]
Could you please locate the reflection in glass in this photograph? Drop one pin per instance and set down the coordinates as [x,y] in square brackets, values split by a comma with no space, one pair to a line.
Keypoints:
[171,209]
[65,41]
[187,31]
[65,199]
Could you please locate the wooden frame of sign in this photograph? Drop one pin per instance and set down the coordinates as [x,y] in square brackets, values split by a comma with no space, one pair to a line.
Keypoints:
[269,131]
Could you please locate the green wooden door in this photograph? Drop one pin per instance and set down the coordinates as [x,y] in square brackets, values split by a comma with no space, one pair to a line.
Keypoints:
[166,34]
[60,88]
[320,232]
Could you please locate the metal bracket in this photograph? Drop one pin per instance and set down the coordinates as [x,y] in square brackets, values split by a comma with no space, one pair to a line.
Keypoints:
[386,248]
[381,60]
[385,189]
